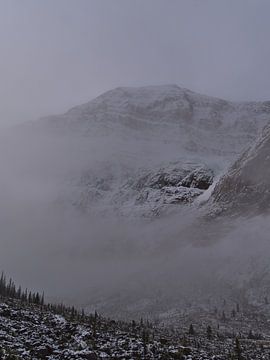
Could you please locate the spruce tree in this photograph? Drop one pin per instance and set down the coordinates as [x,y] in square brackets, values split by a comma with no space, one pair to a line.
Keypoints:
[209,332]
[191,330]
[238,350]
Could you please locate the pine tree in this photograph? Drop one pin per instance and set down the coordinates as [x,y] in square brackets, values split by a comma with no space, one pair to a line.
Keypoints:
[30,299]
[95,325]
[133,325]
[223,316]
[19,293]
[42,299]
[36,299]
[238,350]
[191,330]
[82,315]
[209,332]
[145,340]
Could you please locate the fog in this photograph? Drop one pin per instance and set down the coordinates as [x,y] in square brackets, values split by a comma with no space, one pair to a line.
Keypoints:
[101,261]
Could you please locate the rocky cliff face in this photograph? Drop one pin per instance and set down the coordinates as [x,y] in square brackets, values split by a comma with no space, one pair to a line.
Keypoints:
[147,192]
[245,188]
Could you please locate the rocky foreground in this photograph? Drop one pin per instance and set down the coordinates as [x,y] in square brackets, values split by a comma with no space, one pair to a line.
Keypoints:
[32,331]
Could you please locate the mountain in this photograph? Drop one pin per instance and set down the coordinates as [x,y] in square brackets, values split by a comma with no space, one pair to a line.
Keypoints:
[144,243]
[245,188]
[129,134]
[167,114]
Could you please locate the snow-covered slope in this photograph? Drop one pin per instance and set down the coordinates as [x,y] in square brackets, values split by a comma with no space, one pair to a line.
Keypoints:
[168,114]
[31,332]
[130,132]
[147,192]
[245,188]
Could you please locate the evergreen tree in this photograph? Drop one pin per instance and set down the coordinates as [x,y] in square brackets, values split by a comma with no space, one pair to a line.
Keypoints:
[82,315]
[145,340]
[238,350]
[209,332]
[191,330]
[42,299]
[95,324]
[223,316]
[133,325]
[30,299]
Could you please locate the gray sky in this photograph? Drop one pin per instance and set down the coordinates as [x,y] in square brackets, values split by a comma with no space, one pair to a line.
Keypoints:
[59,53]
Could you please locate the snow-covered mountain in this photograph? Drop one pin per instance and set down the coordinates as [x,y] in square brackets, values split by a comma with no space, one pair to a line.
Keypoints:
[129,133]
[137,152]
[168,114]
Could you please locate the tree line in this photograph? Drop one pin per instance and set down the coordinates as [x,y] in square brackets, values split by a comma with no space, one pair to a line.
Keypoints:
[10,290]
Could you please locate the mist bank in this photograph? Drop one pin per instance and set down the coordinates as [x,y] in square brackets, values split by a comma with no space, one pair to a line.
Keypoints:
[131,270]
[122,266]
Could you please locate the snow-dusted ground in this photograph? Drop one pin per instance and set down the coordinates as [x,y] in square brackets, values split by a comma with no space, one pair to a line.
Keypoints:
[29,331]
